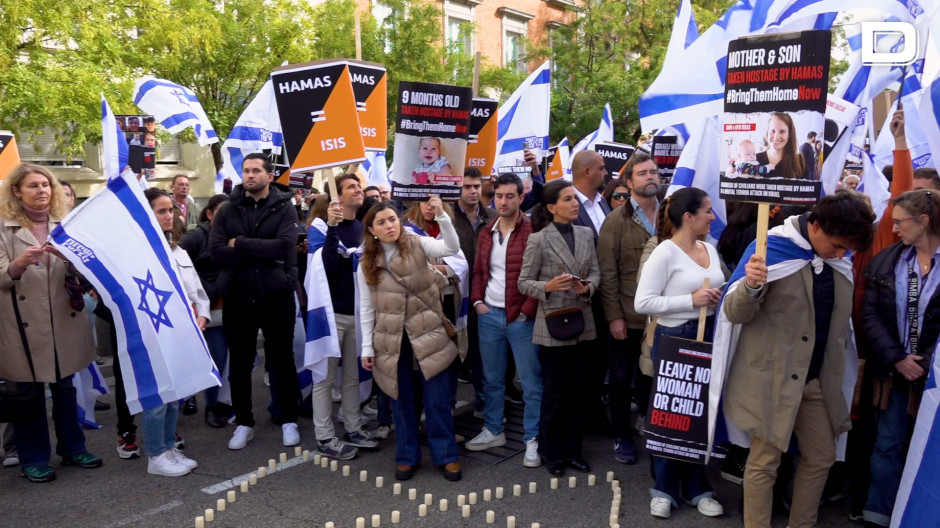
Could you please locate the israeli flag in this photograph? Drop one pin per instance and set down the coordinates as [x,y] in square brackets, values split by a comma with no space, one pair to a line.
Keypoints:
[175,107]
[846,117]
[374,170]
[113,142]
[918,142]
[699,166]
[89,384]
[787,253]
[458,263]
[604,133]
[257,129]
[916,502]
[114,240]
[928,114]
[524,118]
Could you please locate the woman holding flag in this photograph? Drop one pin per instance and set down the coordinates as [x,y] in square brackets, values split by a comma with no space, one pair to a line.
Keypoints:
[42,338]
[405,335]
[671,288]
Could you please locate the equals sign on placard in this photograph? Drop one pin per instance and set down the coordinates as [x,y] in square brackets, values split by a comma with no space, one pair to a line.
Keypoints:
[318,115]
[473,138]
[361,106]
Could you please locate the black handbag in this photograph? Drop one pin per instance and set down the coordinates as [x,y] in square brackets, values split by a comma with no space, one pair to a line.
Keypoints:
[565,324]
[20,400]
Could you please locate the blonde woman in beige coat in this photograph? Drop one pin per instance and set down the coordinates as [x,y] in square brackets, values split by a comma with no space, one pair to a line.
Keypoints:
[32,285]
[404,340]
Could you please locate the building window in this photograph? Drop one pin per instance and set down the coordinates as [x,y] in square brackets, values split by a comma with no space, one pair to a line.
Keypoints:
[458,24]
[515,36]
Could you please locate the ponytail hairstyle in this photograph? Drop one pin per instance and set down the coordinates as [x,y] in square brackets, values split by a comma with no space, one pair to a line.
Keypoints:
[673,208]
[922,202]
[550,194]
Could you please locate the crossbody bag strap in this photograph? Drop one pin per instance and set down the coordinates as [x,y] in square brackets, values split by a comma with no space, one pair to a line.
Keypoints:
[19,326]
[401,281]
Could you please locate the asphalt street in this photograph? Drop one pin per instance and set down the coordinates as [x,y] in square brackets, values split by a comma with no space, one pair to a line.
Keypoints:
[301,494]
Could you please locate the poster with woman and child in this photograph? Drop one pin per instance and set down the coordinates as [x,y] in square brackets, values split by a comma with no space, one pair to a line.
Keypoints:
[431,135]
[775,104]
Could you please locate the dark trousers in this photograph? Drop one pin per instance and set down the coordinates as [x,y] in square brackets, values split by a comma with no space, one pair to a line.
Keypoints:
[624,358]
[598,359]
[564,384]
[32,436]
[274,316]
[125,423]
[475,360]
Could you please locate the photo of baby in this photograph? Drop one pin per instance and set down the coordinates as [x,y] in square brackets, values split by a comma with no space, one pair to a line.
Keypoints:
[745,163]
[431,163]
[765,145]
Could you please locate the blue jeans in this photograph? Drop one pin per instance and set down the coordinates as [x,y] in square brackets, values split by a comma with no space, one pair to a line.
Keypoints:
[159,425]
[496,338]
[32,436]
[888,457]
[438,415]
[218,349]
[676,479]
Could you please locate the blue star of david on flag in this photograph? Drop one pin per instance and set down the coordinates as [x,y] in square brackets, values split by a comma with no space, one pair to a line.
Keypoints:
[161,297]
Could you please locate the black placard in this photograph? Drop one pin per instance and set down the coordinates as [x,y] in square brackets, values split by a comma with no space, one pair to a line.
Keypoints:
[615,155]
[666,152]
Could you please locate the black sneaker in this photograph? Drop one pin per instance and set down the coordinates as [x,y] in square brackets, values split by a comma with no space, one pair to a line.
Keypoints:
[190,407]
[336,448]
[513,395]
[732,469]
[180,443]
[127,446]
[84,460]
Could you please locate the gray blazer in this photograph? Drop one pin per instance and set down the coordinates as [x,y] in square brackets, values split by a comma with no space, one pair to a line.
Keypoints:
[547,256]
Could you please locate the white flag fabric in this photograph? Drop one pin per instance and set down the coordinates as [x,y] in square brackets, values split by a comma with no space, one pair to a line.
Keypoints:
[113,142]
[699,166]
[257,129]
[175,107]
[918,142]
[875,185]
[604,133]
[524,118]
[114,240]
[374,170]
[845,116]
[928,113]
[919,493]
[89,384]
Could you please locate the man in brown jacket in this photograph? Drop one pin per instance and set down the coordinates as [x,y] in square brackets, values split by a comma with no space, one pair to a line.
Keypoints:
[619,248]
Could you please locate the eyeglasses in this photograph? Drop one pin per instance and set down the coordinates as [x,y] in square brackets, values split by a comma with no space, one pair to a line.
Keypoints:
[618,196]
[898,221]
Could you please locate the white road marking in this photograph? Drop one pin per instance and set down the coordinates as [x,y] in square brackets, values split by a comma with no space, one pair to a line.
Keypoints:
[134,519]
[236,481]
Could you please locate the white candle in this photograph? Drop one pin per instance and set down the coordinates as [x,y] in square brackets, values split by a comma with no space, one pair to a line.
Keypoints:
[490,516]
[200,522]
[472,498]
[396,516]
[298,451]
[465,511]
[443,504]
[487,495]
[422,510]
[592,480]
[499,492]
[360,522]
[316,458]
[610,476]
[554,483]
[306,455]
[329,524]
[412,494]
[536,525]
[272,464]
[220,504]
[461,500]
[210,515]
[244,487]
[510,522]
[253,479]
[231,496]
[262,472]
[283,457]
[334,465]
[346,470]
[379,482]
[533,487]
[428,499]
[376,521]
[363,476]
[572,482]
[396,488]
[324,462]
[516,490]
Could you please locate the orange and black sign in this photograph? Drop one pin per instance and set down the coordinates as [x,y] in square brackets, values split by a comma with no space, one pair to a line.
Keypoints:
[555,163]
[317,107]
[9,155]
[481,145]
[370,86]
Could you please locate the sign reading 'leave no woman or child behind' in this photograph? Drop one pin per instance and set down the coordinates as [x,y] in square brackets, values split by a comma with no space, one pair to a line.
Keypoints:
[775,100]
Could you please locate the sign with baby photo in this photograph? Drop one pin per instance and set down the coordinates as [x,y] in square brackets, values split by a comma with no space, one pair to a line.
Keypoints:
[431,134]
[775,103]
[370,87]
[317,108]
[481,143]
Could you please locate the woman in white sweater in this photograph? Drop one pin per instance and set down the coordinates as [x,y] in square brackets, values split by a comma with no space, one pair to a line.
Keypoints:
[670,288]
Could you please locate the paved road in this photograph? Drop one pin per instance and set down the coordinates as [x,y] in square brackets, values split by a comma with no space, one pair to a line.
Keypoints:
[303,495]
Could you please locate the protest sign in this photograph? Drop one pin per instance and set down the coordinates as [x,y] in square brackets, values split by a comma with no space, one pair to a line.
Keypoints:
[775,100]
[317,108]
[481,145]
[370,86]
[615,155]
[431,135]
[666,151]
[9,155]
[135,127]
[554,164]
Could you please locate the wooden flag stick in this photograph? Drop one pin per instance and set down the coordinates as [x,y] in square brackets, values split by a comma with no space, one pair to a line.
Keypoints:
[476,74]
[702,314]
[763,219]
[358,38]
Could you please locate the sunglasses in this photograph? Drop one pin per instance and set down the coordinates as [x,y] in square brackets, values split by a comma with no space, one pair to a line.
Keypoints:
[618,196]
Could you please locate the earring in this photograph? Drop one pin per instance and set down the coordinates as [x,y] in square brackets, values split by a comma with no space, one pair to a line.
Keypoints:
[374,237]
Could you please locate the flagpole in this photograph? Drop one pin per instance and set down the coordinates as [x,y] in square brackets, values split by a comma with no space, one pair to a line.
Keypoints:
[476,74]
[763,221]
[703,314]
[358,38]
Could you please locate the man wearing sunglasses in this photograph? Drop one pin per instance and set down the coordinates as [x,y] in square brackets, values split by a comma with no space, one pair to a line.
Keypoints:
[619,249]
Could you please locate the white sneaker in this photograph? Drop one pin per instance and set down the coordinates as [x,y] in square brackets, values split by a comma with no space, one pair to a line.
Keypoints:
[710,507]
[183,459]
[240,438]
[165,464]
[290,434]
[11,460]
[381,432]
[532,458]
[660,507]
[486,440]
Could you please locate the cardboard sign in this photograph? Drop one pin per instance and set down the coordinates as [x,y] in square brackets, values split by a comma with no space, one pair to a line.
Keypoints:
[775,99]
[9,155]
[370,86]
[318,115]
[677,419]
[136,127]
[431,135]
[481,143]
[666,152]
[615,155]
[554,164]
